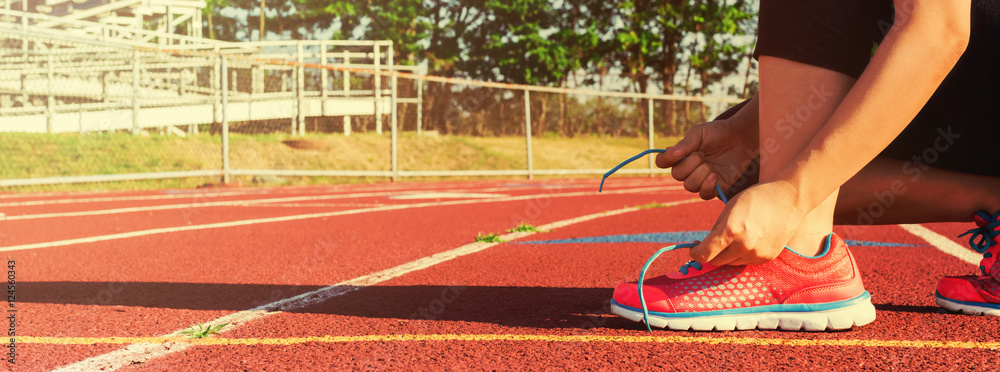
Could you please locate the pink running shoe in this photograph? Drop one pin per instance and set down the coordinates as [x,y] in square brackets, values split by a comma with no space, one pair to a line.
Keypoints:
[976,294]
[792,292]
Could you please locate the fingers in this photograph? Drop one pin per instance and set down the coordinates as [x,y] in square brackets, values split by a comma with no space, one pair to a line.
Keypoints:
[685,147]
[712,246]
[685,168]
[707,191]
[724,247]
[697,177]
[670,157]
[753,228]
[732,255]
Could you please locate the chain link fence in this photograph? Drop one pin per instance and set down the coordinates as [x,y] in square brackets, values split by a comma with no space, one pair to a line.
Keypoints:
[83,111]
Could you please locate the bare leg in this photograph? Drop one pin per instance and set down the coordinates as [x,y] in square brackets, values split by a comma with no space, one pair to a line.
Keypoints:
[796,100]
[888,191]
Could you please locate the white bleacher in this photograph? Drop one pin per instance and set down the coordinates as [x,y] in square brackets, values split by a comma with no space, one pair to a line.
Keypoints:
[72,69]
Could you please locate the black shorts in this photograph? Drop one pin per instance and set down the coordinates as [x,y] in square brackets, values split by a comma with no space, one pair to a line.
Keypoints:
[958,129]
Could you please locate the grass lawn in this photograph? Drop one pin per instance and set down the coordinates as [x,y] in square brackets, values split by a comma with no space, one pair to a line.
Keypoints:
[24,155]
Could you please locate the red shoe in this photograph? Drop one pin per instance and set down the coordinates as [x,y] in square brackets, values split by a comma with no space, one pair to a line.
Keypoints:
[974,294]
[792,292]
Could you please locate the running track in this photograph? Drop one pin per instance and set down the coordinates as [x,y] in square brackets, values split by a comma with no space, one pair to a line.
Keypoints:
[388,276]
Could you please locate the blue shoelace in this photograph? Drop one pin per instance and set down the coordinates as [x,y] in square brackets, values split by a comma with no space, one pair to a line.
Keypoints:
[981,238]
[642,274]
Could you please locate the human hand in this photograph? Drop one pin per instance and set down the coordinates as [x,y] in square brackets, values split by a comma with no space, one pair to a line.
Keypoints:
[717,152]
[753,228]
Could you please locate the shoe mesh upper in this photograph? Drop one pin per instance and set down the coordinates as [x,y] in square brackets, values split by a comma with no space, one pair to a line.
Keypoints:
[984,287]
[987,287]
[731,287]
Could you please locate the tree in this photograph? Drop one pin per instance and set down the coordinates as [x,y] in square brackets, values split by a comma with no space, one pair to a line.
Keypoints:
[703,37]
[716,49]
[537,42]
[218,27]
[402,21]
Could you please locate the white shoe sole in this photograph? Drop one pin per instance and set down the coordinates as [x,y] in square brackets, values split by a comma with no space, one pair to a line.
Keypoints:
[859,313]
[965,308]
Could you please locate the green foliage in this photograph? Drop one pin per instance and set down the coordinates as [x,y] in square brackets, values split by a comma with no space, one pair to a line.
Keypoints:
[524,227]
[688,45]
[202,331]
[714,54]
[530,41]
[401,22]
[651,205]
[488,238]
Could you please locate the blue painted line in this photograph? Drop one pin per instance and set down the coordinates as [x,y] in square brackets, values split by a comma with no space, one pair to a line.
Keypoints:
[666,237]
[682,237]
[863,243]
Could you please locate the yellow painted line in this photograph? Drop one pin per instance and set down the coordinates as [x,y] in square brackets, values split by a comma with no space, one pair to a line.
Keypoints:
[515,338]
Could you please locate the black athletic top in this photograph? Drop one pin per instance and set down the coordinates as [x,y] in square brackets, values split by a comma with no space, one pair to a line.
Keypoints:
[840,36]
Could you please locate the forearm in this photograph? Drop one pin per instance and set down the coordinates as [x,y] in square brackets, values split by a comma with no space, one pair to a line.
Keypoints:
[912,61]
[750,112]
[745,116]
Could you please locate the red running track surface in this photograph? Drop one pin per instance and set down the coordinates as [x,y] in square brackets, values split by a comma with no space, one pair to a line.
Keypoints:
[470,312]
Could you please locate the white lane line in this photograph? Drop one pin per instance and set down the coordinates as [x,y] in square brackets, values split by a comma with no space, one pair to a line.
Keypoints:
[226,203]
[73,198]
[944,244]
[193,195]
[75,194]
[13,195]
[445,195]
[78,196]
[144,352]
[197,205]
[310,205]
[166,230]
[123,198]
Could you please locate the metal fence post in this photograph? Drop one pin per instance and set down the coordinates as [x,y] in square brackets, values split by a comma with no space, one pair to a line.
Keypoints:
[24,27]
[50,100]
[215,78]
[233,84]
[194,127]
[420,106]
[254,87]
[378,89]
[393,119]
[295,107]
[104,86]
[79,111]
[169,27]
[300,84]
[652,160]
[225,120]
[347,90]
[135,93]
[324,78]
[180,82]
[527,130]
